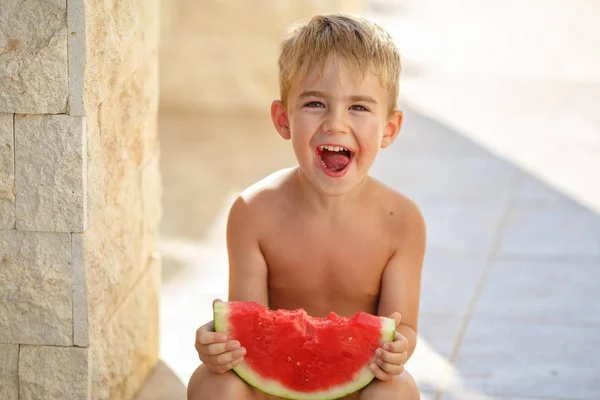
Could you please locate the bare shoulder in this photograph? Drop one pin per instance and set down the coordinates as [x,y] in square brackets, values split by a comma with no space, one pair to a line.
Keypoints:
[262,198]
[402,215]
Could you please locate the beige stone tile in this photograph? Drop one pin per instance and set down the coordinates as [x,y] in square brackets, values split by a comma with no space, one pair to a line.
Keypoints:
[80,294]
[121,149]
[116,49]
[7,172]
[50,175]
[9,371]
[33,56]
[126,351]
[152,193]
[76,37]
[35,288]
[50,372]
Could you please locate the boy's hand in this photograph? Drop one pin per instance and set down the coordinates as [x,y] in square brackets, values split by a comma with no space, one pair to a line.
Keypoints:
[216,352]
[390,359]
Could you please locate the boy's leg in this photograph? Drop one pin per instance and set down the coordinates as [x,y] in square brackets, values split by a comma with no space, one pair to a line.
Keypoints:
[206,385]
[401,387]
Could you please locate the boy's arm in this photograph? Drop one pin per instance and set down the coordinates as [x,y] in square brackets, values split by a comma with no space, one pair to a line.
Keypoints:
[401,281]
[247,266]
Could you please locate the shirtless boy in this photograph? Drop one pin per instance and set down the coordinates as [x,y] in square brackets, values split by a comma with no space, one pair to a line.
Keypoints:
[324,235]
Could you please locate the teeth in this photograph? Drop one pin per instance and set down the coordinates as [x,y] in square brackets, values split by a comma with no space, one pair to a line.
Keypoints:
[333,148]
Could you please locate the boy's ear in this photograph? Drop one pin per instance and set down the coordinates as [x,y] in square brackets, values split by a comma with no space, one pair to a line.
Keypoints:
[280,119]
[392,129]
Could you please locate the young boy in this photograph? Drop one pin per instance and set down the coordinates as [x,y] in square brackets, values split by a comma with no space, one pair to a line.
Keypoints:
[324,235]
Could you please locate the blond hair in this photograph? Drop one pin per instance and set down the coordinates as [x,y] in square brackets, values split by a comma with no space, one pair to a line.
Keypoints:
[360,44]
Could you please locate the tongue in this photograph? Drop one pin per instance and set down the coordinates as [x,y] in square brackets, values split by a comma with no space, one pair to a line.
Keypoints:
[334,160]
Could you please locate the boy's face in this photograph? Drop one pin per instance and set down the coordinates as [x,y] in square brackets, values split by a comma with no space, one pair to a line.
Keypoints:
[336,126]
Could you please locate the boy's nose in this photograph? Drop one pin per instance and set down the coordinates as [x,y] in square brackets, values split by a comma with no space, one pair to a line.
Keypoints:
[335,122]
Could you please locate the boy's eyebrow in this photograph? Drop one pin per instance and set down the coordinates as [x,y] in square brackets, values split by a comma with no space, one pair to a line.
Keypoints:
[311,93]
[367,99]
[356,97]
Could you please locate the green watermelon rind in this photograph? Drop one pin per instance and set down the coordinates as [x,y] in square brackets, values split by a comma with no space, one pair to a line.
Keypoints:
[272,387]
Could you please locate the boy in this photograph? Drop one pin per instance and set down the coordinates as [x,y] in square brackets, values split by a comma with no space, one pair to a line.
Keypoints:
[324,236]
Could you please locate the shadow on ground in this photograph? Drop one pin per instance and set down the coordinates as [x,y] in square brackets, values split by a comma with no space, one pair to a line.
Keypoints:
[510,299]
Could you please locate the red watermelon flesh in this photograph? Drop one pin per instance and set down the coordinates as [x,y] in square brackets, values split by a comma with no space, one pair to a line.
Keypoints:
[291,354]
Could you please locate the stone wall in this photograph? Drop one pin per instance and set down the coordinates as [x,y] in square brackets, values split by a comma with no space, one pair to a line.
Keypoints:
[220,56]
[80,196]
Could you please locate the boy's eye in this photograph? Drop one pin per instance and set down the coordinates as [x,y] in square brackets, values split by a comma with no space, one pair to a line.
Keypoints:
[314,104]
[358,108]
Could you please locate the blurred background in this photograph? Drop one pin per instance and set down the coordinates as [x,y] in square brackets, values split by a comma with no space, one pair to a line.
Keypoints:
[500,148]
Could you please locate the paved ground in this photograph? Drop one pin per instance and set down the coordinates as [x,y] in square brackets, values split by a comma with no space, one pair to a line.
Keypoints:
[511,287]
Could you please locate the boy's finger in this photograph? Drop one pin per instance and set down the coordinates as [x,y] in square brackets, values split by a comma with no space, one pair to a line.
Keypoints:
[216,301]
[218,348]
[206,337]
[230,365]
[391,369]
[392,358]
[379,373]
[225,358]
[397,317]
[398,346]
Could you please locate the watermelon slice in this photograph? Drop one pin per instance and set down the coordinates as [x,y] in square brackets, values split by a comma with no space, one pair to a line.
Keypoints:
[295,356]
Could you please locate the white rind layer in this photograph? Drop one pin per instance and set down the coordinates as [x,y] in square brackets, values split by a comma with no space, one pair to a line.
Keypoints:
[362,378]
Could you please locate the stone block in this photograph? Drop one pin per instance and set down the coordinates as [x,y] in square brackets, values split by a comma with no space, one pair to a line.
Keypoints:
[120,35]
[114,246]
[50,173]
[7,172]
[80,300]
[49,372]
[33,56]
[77,55]
[9,371]
[127,350]
[152,191]
[35,288]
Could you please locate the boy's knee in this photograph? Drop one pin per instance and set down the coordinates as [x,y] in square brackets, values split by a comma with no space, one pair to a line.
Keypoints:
[206,385]
[402,387]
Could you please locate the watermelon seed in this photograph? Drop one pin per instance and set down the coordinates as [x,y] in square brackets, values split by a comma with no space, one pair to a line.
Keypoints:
[289,358]
[350,338]
[298,363]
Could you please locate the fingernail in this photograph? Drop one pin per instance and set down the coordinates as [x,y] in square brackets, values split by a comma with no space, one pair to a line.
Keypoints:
[235,345]
[379,361]
[386,346]
[240,352]
[222,338]
[373,367]
[378,352]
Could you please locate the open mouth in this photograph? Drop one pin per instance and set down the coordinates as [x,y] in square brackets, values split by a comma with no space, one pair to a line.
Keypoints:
[334,160]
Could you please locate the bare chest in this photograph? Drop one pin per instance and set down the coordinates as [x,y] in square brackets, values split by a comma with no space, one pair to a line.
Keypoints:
[326,267]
